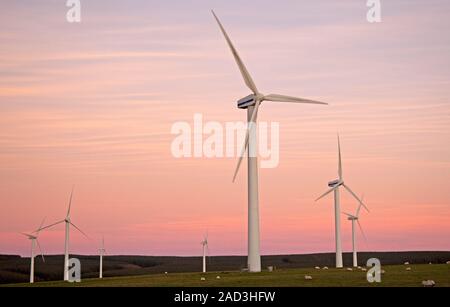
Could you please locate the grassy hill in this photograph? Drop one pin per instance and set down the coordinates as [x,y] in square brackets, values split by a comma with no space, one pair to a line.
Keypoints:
[15,269]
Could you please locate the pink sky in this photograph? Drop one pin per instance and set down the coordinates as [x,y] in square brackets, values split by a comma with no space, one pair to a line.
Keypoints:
[92,104]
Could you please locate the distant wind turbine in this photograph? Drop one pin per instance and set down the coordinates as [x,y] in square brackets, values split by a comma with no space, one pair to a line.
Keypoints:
[67,222]
[102,251]
[204,244]
[34,241]
[353,218]
[251,103]
[335,184]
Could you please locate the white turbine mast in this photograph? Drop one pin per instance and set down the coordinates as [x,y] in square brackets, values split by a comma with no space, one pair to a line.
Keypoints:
[204,244]
[101,251]
[252,103]
[334,187]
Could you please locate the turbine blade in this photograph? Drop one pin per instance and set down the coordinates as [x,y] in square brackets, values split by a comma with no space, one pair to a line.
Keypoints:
[247,137]
[326,193]
[356,197]
[362,231]
[40,250]
[245,74]
[348,214]
[79,230]
[340,159]
[51,225]
[26,235]
[284,98]
[40,226]
[70,203]
[359,207]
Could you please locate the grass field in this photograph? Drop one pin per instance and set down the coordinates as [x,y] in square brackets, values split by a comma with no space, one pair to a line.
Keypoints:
[394,276]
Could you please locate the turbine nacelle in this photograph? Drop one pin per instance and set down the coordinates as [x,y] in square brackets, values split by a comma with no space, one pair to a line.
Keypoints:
[335,183]
[247,101]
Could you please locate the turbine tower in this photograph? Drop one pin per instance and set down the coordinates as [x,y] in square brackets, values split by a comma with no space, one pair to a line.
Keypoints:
[355,218]
[102,251]
[334,187]
[251,103]
[204,243]
[34,241]
[67,223]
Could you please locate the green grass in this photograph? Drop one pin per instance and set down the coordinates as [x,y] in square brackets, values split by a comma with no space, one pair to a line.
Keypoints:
[394,276]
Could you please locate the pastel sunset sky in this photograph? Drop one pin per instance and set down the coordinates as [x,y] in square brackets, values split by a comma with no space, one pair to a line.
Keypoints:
[92,104]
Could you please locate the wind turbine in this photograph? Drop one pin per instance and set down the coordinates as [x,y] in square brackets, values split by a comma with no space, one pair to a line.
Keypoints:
[251,103]
[102,251]
[204,243]
[34,241]
[68,223]
[354,218]
[334,186]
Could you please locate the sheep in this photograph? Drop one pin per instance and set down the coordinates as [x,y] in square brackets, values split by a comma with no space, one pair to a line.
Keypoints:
[349,269]
[428,283]
[218,277]
[203,278]
[408,269]
[308,277]
[317,268]
[406,263]
[325,268]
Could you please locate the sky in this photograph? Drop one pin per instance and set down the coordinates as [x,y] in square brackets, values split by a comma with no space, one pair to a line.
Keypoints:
[92,104]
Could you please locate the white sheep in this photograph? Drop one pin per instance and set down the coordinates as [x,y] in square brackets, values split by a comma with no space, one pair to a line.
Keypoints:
[325,268]
[428,283]
[218,277]
[317,268]
[408,269]
[203,278]
[406,263]
[349,269]
[308,277]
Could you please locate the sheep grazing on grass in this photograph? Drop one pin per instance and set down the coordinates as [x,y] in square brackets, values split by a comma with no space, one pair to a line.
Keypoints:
[325,268]
[203,278]
[408,269]
[428,283]
[359,268]
[308,277]
[406,263]
[218,277]
[363,269]
[317,268]
[448,262]
[349,269]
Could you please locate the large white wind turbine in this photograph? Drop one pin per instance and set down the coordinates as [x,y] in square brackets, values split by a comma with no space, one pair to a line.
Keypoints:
[355,218]
[334,186]
[204,244]
[67,222]
[251,103]
[34,241]
[102,251]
